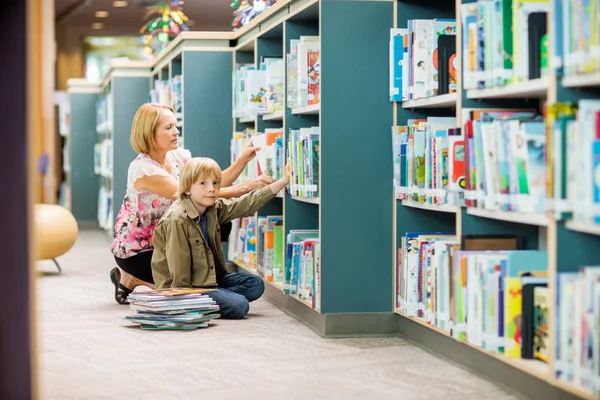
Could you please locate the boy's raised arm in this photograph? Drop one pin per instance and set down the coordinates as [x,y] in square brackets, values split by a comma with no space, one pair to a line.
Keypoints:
[172,258]
[250,203]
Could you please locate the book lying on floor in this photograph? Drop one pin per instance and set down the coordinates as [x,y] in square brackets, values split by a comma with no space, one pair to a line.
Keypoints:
[172,309]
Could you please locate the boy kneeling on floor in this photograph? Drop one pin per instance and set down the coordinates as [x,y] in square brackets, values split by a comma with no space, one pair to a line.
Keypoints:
[187,241]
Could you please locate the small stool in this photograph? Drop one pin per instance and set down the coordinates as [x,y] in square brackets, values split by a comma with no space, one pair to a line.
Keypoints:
[55,232]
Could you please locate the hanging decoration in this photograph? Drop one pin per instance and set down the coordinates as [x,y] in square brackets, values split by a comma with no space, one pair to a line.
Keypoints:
[247,10]
[160,31]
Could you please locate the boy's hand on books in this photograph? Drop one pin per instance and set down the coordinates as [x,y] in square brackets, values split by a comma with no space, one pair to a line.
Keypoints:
[283,182]
[249,153]
[260,182]
[288,173]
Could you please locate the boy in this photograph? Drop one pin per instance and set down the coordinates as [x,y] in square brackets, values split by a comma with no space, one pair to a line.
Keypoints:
[187,242]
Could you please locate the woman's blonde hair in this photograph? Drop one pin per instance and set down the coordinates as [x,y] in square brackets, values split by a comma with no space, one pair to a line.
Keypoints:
[196,169]
[144,126]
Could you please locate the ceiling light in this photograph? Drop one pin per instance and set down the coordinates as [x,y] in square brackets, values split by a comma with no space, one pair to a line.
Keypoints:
[119,4]
[97,25]
[101,14]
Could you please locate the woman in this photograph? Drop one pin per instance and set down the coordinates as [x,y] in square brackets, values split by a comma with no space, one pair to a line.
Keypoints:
[152,185]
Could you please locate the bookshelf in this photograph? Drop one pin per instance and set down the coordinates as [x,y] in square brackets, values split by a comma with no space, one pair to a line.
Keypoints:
[568,241]
[81,181]
[326,213]
[194,76]
[122,90]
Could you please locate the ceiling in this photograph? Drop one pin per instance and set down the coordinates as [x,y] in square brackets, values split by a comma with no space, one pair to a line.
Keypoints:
[79,15]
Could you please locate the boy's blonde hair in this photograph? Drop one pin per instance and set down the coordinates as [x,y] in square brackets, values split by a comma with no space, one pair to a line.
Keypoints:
[196,169]
[144,126]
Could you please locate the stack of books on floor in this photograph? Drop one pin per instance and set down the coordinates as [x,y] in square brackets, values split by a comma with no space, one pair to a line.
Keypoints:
[172,309]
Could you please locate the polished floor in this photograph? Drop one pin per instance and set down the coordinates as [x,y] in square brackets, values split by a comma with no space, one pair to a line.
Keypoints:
[87,351]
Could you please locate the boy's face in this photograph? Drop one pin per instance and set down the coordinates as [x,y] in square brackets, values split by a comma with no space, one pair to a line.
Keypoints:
[204,191]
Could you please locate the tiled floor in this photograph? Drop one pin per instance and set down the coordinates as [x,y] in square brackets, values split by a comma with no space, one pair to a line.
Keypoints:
[87,351]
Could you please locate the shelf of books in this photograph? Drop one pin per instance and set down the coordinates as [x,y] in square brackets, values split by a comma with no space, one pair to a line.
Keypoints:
[193,75]
[277,86]
[123,89]
[81,183]
[496,200]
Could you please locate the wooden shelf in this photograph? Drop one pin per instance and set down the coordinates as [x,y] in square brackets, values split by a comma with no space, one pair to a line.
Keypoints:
[585,80]
[583,227]
[277,285]
[445,332]
[521,218]
[305,302]
[535,88]
[278,116]
[442,101]
[313,109]
[311,200]
[447,208]
[534,368]
[247,120]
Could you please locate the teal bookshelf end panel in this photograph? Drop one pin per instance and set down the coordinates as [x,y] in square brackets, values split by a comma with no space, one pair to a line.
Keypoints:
[83,137]
[575,249]
[129,93]
[476,225]
[356,162]
[409,219]
[207,104]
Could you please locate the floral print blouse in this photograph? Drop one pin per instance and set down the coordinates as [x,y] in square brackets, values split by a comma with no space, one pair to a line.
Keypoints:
[142,209]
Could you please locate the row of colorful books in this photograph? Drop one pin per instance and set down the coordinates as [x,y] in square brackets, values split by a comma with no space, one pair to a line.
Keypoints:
[259,90]
[304,72]
[303,151]
[577,42]
[104,109]
[427,155]
[505,159]
[504,41]
[291,262]
[302,270]
[574,146]
[105,209]
[422,59]
[168,92]
[515,160]
[577,328]
[269,159]
[484,289]
[103,154]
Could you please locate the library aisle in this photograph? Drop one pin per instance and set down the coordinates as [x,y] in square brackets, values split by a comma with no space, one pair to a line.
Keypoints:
[88,352]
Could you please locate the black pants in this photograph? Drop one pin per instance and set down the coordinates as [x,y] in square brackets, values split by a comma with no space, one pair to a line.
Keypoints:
[140,265]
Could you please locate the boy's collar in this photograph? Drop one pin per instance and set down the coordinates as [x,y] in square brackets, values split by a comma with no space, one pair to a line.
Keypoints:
[190,208]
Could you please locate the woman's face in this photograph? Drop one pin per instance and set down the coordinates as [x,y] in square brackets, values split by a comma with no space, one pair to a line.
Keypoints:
[166,132]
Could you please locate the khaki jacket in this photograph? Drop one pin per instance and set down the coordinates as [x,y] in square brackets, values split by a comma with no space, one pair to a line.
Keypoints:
[182,256]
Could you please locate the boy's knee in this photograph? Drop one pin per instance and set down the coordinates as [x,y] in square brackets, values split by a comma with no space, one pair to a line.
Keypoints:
[257,289]
[238,310]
